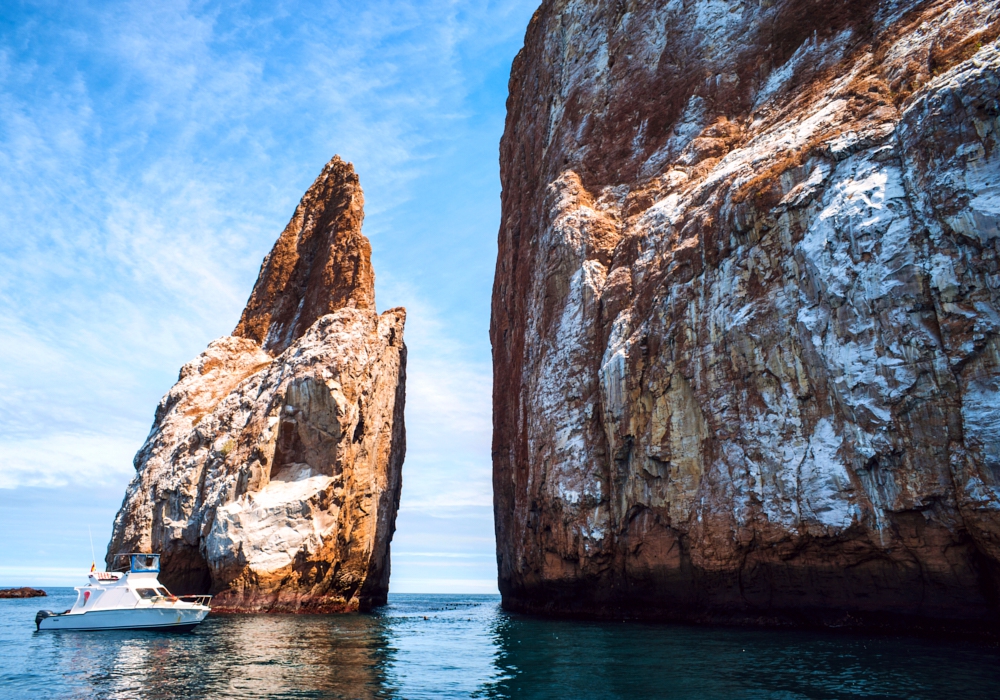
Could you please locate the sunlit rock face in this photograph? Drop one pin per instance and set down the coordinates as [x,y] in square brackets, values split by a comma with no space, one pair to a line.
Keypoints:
[745,315]
[272,473]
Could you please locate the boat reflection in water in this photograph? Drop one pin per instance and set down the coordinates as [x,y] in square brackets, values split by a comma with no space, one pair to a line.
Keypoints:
[465,646]
[237,656]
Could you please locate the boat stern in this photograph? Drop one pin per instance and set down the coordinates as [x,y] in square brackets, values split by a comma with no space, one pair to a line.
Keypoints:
[41,616]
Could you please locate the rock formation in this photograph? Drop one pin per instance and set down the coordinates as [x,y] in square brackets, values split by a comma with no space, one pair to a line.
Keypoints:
[272,473]
[23,592]
[745,315]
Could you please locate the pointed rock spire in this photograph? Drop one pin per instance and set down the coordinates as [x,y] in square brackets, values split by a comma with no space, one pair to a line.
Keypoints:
[319,264]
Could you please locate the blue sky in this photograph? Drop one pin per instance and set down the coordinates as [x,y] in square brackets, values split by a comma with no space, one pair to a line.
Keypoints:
[151,153]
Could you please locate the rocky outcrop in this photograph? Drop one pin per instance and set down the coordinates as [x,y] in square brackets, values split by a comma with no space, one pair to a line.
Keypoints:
[272,473]
[745,315]
[321,263]
[23,592]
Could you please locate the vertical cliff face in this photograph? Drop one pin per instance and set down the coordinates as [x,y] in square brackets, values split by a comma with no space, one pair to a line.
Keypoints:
[272,473]
[746,314]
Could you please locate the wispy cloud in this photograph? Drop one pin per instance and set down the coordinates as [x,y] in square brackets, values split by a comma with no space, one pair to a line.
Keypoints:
[448,414]
[40,575]
[447,584]
[66,458]
[151,153]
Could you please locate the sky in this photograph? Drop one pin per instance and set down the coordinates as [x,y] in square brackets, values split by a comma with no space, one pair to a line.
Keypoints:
[151,153]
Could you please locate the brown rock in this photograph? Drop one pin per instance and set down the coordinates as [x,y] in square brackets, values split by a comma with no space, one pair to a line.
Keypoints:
[272,474]
[320,263]
[23,592]
[745,313]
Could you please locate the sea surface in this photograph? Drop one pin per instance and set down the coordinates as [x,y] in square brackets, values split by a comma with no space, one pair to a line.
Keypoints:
[464,646]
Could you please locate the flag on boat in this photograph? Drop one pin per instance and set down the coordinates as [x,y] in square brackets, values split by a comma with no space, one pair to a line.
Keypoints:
[93,566]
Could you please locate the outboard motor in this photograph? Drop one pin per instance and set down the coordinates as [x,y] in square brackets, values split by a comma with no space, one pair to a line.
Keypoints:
[42,614]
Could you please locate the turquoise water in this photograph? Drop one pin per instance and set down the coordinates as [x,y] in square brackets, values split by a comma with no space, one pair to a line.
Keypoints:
[442,646]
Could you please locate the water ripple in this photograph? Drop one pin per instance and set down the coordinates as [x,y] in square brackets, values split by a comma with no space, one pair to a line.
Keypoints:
[466,647]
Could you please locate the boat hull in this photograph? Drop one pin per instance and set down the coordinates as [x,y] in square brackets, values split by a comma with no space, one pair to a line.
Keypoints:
[172,619]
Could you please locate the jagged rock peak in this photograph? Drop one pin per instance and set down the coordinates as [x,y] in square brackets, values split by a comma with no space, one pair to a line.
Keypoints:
[320,263]
[271,476]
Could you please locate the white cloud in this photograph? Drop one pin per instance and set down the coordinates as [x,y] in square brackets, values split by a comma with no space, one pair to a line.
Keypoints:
[151,154]
[17,576]
[443,585]
[61,459]
[448,555]
[448,413]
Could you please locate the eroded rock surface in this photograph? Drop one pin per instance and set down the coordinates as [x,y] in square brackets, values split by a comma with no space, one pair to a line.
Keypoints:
[745,315]
[320,263]
[272,473]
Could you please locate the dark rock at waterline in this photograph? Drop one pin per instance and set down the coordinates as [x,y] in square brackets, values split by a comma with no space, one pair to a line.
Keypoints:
[23,592]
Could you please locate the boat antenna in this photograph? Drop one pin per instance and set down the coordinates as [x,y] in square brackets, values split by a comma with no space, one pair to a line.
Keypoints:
[93,561]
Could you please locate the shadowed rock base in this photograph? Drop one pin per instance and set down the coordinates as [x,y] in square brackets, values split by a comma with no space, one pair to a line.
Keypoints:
[877,594]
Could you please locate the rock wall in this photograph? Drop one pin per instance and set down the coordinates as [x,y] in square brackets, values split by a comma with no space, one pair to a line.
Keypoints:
[272,474]
[745,314]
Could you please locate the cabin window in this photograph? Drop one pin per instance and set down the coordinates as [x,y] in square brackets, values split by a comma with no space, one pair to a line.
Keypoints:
[163,591]
[146,593]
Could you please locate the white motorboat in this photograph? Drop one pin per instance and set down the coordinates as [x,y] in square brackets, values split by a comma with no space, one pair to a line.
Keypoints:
[130,597]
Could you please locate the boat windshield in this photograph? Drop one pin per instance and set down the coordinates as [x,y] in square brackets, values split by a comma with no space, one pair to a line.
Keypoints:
[146,593]
[145,562]
[163,591]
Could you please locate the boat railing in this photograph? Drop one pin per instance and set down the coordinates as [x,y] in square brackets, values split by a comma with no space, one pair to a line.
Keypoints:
[107,575]
[196,599]
[193,599]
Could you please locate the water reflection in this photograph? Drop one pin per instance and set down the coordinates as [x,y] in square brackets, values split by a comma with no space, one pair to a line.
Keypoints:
[233,656]
[464,646]
[552,659]
[441,646]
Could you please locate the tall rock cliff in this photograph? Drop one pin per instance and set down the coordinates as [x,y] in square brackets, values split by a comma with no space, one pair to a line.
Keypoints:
[272,473]
[746,323]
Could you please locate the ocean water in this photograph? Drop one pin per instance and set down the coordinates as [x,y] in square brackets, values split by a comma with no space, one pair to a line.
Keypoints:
[447,646]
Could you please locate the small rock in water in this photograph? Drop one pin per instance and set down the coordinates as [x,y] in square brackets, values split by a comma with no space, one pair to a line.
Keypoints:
[23,592]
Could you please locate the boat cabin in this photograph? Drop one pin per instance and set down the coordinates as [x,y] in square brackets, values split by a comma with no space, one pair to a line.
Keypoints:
[131,582]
